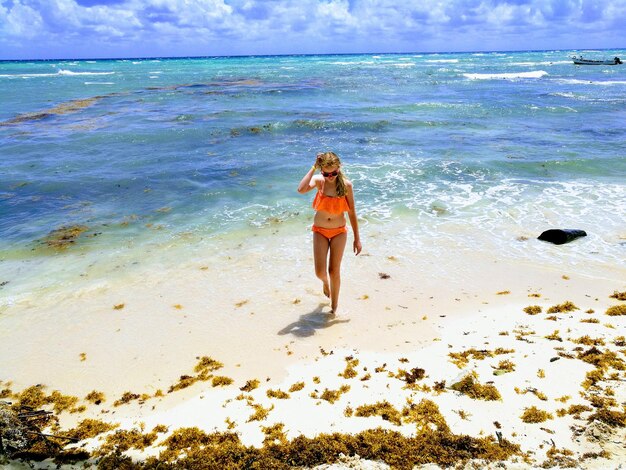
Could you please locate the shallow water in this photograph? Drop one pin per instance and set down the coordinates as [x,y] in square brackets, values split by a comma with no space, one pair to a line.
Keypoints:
[480,151]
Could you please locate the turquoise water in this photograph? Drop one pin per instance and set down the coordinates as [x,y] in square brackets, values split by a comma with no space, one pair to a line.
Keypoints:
[140,150]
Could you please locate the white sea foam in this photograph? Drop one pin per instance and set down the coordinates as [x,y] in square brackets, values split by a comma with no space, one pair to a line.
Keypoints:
[574,81]
[443,61]
[505,76]
[59,73]
[70,73]
[404,65]
[533,64]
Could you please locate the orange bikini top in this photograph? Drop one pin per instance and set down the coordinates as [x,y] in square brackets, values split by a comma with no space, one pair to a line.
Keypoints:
[334,205]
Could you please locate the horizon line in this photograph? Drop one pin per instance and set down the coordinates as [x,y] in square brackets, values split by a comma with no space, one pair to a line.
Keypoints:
[302,55]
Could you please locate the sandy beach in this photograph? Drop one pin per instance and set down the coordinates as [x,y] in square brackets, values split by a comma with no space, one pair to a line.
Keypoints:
[240,340]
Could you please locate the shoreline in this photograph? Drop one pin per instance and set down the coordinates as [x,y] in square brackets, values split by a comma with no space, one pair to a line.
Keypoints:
[282,335]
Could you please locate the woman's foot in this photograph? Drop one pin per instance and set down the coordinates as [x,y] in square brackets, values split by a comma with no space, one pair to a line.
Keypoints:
[326,290]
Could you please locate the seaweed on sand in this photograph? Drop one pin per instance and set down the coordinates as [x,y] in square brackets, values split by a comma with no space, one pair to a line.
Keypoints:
[616,310]
[277,394]
[384,409]
[566,306]
[426,416]
[532,309]
[461,359]
[535,415]
[470,386]
[123,440]
[126,397]
[331,396]
[349,371]
[89,428]
[561,458]
[611,417]
[250,385]
[95,397]
[192,448]
[260,413]
[221,381]
[573,410]
[296,387]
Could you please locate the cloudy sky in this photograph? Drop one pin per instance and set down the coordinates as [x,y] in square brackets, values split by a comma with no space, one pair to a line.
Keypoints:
[40,29]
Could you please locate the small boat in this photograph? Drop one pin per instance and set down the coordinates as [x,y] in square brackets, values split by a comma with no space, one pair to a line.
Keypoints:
[581,61]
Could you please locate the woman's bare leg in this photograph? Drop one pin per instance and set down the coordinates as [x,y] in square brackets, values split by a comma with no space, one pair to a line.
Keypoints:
[320,253]
[337,246]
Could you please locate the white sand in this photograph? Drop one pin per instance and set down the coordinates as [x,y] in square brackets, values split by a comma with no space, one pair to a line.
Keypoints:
[259,310]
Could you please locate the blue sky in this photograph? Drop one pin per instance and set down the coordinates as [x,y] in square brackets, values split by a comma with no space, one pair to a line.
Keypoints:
[43,29]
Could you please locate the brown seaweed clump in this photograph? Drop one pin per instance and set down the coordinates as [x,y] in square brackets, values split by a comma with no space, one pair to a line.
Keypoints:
[618,295]
[589,341]
[611,417]
[207,364]
[566,306]
[296,387]
[554,336]
[560,458]
[616,310]
[250,385]
[260,413]
[89,428]
[573,410]
[331,396]
[277,394]
[221,381]
[532,309]
[461,359]
[384,409]
[535,415]
[274,434]
[470,386]
[35,397]
[192,448]
[412,376]
[95,397]
[123,440]
[126,397]
[504,367]
[349,371]
[61,238]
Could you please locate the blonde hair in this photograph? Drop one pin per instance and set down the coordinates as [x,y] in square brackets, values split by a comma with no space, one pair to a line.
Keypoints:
[331,159]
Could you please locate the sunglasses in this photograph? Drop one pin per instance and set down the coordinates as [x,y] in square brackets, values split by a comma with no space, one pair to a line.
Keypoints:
[332,173]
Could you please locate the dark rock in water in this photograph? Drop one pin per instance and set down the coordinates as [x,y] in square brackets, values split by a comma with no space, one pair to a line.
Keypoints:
[561,236]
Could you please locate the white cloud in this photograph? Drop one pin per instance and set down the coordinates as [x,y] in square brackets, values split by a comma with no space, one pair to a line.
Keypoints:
[20,20]
[269,26]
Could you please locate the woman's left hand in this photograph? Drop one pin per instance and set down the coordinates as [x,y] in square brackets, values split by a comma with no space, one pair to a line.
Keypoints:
[356,246]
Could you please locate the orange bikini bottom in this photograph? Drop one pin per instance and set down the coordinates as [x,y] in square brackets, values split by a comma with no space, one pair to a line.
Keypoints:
[329,233]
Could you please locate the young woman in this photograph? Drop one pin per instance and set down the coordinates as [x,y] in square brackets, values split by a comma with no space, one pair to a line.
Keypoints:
[334,197]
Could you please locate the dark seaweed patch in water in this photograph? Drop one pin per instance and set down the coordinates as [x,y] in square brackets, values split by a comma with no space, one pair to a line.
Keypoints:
[61,238]
[67,107]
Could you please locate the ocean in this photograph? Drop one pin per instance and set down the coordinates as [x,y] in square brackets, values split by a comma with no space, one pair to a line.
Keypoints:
[158,160]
